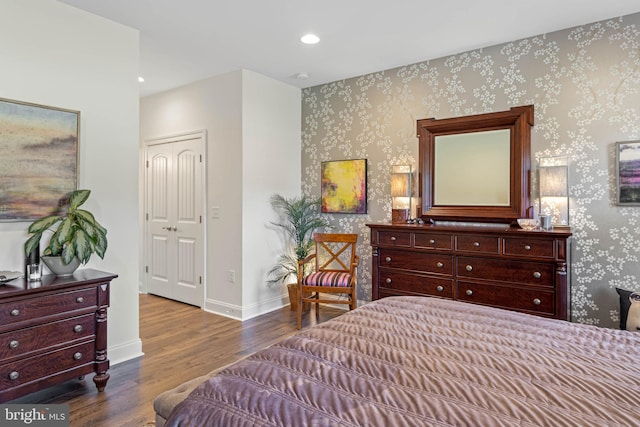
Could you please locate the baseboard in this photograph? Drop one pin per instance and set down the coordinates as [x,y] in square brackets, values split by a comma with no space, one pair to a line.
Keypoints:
[231,311]
[248,311]
[123,352]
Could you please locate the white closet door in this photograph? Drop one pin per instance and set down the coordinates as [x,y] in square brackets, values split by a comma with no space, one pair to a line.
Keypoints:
[174,217]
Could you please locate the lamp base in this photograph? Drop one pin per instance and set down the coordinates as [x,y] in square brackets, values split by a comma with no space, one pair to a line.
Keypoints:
[399,216]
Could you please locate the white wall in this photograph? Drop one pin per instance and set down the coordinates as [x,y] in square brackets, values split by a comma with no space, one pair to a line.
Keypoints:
[56,55]
[253,125]
[271,130]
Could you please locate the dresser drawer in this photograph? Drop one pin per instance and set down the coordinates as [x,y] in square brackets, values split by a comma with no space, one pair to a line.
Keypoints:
[415,284]
[47,305]
[24,341]
[33,368]
[528,247]
[530,300]
[530,273]
[417,261]
[432,241]
[394,238]
[479,244]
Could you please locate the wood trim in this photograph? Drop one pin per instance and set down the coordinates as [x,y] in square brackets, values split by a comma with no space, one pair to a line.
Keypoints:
[519,120]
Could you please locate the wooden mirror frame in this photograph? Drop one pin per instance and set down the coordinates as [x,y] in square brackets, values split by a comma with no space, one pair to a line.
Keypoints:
[519,121]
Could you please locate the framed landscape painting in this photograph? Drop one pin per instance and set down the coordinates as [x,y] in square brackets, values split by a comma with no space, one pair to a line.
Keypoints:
[344,186]
[38,158]
[628,173]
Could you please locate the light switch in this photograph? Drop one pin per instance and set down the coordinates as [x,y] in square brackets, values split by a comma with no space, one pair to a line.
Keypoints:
[215,212]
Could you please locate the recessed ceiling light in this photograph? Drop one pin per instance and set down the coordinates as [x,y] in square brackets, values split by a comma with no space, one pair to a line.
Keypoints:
[309,39]
[140,79]
[302,76]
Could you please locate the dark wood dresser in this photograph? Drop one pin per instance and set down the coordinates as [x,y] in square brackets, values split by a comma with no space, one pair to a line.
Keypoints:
[53,331]
[485,264]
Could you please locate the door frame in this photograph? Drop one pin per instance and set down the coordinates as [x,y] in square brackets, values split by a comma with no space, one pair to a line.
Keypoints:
[196,134]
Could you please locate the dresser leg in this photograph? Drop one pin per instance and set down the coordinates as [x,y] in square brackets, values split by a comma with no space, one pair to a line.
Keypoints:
[101,381]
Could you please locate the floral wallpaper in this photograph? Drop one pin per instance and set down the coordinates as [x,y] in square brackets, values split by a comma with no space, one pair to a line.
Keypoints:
[584,83]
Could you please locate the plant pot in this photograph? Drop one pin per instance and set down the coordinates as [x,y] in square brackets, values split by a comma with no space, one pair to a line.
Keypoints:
[292,288]
[57,267]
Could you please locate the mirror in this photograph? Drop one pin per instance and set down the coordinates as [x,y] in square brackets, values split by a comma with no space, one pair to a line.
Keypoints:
[486,152]
[476,168]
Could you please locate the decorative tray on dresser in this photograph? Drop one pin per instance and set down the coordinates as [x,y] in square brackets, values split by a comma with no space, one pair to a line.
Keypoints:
[495,265]
[52,331]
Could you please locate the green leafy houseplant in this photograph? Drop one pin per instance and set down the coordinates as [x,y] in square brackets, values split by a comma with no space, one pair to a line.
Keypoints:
[300,218]
[78,235]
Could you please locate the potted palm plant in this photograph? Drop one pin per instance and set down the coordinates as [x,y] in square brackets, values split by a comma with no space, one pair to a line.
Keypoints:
[300,217]
[77,236]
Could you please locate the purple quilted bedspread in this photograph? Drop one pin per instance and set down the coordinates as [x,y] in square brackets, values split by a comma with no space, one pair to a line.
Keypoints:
[412,361]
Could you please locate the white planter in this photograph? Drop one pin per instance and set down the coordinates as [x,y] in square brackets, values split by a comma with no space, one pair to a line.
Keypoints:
[58,268]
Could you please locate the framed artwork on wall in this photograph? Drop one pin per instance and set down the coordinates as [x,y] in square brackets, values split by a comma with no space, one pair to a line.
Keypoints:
[344,186]
[39,161]
[628,173]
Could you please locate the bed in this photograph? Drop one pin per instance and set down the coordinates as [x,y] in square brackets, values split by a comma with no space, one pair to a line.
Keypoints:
[416,361]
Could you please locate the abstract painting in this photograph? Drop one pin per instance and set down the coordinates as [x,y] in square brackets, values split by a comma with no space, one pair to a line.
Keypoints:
[628,173]
[344,186]
[38,158]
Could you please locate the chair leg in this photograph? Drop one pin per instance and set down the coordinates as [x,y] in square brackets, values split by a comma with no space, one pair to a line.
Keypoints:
[299,307]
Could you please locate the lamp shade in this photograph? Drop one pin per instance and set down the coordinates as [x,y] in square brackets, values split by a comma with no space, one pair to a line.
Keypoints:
[400,185]
[401,191]
[553,181]
[554,189]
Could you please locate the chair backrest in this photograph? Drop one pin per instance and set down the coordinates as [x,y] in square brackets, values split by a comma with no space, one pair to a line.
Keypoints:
[335,252]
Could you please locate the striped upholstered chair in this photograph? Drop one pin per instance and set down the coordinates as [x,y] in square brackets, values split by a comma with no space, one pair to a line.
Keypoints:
[335,262]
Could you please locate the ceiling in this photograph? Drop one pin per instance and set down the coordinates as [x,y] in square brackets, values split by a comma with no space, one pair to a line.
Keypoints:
[188,40]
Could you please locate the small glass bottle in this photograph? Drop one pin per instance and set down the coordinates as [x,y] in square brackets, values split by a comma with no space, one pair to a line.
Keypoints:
[32,258]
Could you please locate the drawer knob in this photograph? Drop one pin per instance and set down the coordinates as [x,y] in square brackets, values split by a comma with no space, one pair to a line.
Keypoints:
[476,244]
[80,300]
[432,241]
[78,328]
[469,292]
[440,288]
[388,259]
[14,344]
[527,247]
[15,312]
[537,274]
[388,280]
[439,264]
[469,267]
[537,301]
[77,356]
[393,238]
[14,376]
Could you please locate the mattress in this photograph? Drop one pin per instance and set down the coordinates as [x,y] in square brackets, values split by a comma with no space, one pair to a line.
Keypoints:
[417,361]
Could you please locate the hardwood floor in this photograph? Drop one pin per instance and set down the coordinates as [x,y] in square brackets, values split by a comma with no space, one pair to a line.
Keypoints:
[180,342]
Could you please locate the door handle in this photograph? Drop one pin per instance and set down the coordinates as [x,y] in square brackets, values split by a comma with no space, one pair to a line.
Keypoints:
[170,228]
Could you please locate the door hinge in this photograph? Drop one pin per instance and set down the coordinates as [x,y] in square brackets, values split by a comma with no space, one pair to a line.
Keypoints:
[201,280]
[147,215]
[146,268]
[200,219]
[147,163]
[200,158]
